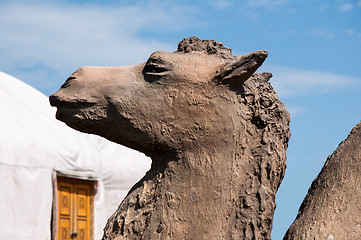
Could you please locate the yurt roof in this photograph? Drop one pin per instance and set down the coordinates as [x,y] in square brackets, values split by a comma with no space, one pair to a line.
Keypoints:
[32,137]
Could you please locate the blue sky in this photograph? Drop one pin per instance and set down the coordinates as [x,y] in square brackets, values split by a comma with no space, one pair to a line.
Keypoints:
[314,48]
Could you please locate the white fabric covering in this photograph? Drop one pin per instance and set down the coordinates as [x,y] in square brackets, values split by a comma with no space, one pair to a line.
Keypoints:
[33,144]
[25,202]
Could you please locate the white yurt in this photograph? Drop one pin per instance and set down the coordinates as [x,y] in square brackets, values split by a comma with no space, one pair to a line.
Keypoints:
[56,183]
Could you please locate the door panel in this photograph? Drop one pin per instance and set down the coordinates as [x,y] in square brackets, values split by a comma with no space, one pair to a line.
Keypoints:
[75,209]
[65,200]
[64,233]
[82,230]
[82,194]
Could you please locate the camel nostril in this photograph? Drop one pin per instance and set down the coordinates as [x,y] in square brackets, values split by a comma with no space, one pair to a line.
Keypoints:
[67,82]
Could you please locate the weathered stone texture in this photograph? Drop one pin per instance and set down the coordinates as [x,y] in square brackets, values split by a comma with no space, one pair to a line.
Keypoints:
[215,130]
[332,206]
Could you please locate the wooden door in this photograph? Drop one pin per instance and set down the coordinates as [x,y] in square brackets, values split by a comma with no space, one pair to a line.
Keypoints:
[75,209]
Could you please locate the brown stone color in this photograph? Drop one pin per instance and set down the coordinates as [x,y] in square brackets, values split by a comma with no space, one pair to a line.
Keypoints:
[332,206]
[215,130]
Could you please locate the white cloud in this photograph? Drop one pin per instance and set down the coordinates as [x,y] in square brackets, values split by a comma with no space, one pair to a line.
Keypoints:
[322,33]
[63,37]
[291,82]
[323,7]
[221,4]
[350,32]
[266,3]
[346,7]
[353,34]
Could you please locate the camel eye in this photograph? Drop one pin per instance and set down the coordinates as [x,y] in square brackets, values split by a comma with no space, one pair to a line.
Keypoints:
[154,69]
[153,72]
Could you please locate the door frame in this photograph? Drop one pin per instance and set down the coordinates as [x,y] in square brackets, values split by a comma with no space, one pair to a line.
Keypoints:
[73,179]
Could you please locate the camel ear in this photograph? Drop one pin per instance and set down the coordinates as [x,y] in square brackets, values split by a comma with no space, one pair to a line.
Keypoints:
[240,69]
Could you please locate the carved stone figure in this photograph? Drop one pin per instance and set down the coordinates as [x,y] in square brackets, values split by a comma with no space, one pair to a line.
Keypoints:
[332,206]
[215,130]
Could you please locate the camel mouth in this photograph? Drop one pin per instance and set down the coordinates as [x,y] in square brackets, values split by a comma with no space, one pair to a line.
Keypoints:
[67,109]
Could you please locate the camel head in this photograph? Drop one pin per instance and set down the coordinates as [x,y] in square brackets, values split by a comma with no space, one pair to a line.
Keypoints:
[174,101]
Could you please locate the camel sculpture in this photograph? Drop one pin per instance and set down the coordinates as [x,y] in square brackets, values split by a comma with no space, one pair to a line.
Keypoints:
[331,209]
[215,131]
